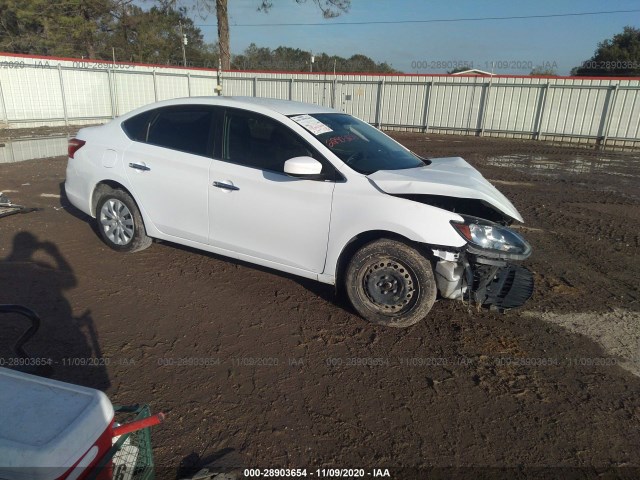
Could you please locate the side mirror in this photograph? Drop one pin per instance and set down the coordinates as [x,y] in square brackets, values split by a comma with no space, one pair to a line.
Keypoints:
[304,167]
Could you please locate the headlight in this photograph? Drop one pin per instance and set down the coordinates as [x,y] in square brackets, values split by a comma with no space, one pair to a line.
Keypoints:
[493,237]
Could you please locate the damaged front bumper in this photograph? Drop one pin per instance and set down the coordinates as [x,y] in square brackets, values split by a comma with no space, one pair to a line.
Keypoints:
[483,277]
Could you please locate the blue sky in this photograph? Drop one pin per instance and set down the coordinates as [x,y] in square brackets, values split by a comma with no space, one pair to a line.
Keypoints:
[514,45]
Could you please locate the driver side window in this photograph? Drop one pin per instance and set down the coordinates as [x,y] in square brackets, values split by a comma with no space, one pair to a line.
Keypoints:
[257,141]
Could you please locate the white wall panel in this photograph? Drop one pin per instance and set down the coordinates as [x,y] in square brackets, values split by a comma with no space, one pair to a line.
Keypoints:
[32,93]
[576,111]
[273,88]
[625,115]
[86,93]
[455,105]
[238,86]
[133,90]
[203,86]
[512,107]
[556,108]
[171,86]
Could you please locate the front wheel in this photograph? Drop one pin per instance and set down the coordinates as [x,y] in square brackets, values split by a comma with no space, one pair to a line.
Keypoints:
[120,223]
[390,283]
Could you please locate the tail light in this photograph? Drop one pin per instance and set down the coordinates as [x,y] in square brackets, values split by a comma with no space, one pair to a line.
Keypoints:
[74,146]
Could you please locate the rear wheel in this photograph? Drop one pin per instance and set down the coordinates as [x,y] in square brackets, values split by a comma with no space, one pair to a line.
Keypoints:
[120,223]
[390,283]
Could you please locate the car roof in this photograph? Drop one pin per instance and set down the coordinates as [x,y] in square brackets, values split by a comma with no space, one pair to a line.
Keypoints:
[284,107]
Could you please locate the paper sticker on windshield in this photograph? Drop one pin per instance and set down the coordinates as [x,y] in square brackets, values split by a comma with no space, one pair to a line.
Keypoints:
[314,126]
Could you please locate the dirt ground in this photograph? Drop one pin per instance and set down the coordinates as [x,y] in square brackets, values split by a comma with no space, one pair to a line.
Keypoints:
[262,369]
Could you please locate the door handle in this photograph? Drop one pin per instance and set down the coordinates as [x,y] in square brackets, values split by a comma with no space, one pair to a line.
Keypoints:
[225,186]
[137,166]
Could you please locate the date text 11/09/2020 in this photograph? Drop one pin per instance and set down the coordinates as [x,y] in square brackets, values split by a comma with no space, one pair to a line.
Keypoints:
[318,472]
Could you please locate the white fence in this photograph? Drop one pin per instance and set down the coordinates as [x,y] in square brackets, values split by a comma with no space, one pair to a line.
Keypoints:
[43,91]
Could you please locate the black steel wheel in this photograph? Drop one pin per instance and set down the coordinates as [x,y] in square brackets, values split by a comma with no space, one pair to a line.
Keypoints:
[390,283]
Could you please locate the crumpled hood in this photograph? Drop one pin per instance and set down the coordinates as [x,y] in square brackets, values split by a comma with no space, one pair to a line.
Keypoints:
[449,177]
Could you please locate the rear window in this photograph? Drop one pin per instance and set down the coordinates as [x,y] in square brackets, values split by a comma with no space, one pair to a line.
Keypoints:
[184,128]
[136,127]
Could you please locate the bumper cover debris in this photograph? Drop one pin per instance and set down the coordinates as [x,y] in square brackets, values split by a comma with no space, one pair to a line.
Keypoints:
[7,208]
[502,288]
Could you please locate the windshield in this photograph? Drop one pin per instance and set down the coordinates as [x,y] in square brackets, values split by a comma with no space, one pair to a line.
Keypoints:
[361,146]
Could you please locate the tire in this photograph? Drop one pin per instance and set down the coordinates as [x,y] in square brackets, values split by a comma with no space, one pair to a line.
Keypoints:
[390,283]
[120,223]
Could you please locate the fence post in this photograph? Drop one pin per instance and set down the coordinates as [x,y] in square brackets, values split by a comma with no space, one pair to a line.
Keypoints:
[115,92]
[111,94]
[291,88]
[64,100]
[155,87]
[4,106]
[483,110]
[189,83]
[541,106]
[334,91]
[379,104]
[607,113]
[255,86]
[427,101]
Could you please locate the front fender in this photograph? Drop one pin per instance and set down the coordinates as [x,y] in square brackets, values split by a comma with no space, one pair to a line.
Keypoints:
[362,208]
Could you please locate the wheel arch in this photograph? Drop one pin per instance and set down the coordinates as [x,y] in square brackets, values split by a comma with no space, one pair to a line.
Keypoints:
[140,238]
[358,241]
[104,186]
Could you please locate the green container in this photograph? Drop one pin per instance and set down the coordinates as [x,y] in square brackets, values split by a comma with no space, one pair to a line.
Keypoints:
[131,457]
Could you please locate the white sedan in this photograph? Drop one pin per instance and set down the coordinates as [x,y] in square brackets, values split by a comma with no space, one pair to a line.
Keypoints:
[307,190]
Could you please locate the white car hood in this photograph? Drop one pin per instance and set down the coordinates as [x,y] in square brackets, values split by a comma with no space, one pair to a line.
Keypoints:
[449,177]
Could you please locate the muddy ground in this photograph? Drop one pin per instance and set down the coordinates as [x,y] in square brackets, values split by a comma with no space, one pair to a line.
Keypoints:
[7,134]
[262,369]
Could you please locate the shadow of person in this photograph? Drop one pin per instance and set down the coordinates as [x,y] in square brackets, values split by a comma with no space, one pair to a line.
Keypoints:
[36,275]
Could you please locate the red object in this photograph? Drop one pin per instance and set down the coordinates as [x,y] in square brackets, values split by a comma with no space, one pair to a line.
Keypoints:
[138,424]
[74,146]
[105,442]
[103,445]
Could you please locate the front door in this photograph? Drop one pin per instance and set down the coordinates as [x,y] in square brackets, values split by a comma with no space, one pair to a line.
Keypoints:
[257,210]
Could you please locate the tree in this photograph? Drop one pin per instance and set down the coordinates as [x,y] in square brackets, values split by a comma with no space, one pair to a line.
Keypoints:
[329,9]
[296,60]
[154,36]
[618,56]
[355,63]
[97,28]
[20,27]
[61,28]
[222,14]
[544,71]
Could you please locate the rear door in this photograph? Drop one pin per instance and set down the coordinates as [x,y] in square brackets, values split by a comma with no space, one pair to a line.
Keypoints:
[255,208]
[168,167]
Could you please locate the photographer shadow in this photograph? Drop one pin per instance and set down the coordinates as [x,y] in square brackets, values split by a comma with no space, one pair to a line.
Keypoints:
[36,275]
